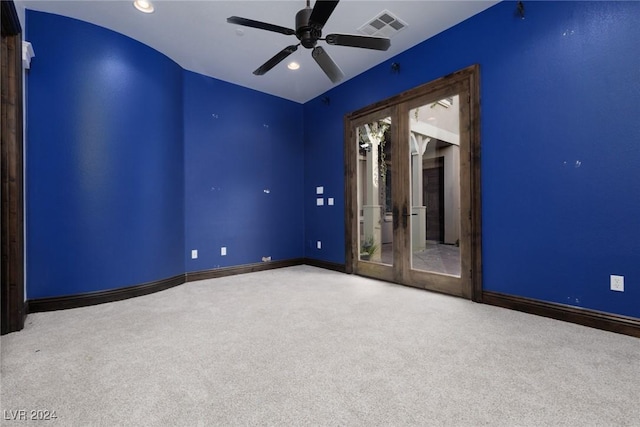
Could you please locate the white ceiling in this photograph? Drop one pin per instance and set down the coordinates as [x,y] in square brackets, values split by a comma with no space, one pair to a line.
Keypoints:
[195,34]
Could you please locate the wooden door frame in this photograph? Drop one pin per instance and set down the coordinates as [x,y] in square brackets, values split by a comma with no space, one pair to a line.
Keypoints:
[12,267]
[469,76]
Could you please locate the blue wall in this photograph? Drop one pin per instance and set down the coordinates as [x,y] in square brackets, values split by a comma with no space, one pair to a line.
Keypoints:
[104,173]
[560,134]
[244,174]
[133,162]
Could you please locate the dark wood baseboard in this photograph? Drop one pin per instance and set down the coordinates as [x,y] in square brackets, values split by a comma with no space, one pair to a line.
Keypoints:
[241,269]
[591,318]
[100,297]
[326,265]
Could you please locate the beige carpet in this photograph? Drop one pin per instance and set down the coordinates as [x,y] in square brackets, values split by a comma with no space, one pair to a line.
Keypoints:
[306,346]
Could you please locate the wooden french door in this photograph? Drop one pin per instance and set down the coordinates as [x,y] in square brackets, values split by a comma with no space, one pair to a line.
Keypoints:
[413,187]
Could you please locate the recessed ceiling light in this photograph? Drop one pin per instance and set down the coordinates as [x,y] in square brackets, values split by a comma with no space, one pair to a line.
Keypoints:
[293,66]
[143,6]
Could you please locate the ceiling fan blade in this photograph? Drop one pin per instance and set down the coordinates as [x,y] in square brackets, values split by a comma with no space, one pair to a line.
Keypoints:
[260,25]
[325,62]
[367,42]
[278,57]
[322,10]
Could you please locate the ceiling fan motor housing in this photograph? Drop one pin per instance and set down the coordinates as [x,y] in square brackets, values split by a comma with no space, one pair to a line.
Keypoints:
[309,25]
[307,34]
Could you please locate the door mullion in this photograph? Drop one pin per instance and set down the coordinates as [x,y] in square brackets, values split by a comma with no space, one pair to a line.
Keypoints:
[401,186]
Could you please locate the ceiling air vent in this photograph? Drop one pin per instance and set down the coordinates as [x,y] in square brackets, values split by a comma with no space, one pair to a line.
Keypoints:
[385,24]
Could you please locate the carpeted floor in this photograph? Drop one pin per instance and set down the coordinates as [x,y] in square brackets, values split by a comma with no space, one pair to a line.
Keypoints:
[306,346]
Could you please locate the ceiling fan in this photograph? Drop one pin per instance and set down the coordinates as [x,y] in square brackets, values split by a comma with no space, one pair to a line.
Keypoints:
[309,24]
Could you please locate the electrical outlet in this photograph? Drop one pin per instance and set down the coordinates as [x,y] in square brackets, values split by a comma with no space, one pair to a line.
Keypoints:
[617,283]
[319,244]
[194,254]
[223,251]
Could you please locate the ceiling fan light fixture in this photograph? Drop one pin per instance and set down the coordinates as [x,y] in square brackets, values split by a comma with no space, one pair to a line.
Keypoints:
[144,6]
[293,65]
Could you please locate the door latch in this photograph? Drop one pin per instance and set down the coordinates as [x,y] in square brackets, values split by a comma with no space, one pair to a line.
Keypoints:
[405,214]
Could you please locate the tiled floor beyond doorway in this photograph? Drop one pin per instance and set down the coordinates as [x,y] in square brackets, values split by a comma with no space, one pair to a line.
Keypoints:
[436,257]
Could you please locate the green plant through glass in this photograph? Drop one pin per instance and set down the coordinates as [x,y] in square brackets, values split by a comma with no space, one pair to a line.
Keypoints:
[369,247]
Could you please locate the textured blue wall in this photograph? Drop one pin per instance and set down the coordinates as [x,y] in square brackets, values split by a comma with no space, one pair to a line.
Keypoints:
[560,146]
[104,176]
[244,174]
[115,188]
[130,157]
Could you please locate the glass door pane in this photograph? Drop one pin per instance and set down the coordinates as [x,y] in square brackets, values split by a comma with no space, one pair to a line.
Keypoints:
[434,156]
[374,169]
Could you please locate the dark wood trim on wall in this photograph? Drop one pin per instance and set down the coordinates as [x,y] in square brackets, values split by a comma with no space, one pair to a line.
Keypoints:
[591,318]
[350,170]
[10,21]
[11,147]
[241,269]
[100,297]
[476,187]
[326,265]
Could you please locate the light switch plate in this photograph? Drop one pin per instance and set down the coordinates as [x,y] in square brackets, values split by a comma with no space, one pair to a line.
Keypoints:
[223,251]
[319,190]
[319,201]
[194,254]
[330,201]
[319,244]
